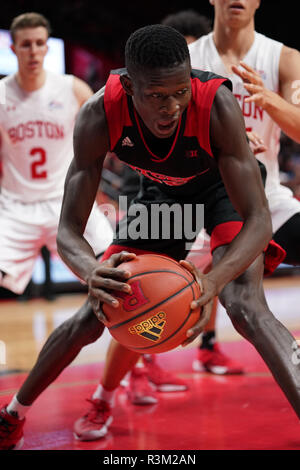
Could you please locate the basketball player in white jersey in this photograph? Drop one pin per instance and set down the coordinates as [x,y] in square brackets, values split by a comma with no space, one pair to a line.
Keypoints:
[264,74]
[36,129]
[36,124]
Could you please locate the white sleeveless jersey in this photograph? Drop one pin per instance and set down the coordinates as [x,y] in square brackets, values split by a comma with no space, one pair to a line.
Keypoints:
[264,57]
[37,138]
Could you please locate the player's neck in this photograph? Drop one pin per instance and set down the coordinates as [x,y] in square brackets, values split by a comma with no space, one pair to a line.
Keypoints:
[29,82]
[233,43]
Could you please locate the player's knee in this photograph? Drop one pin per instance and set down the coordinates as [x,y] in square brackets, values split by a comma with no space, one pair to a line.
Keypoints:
[243,315]
[83,328]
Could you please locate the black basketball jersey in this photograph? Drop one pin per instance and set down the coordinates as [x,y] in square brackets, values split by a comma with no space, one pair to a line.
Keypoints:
[188,159]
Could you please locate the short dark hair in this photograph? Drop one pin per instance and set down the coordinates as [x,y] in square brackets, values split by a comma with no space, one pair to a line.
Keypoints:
[155,46]
[29,20]
[188,23]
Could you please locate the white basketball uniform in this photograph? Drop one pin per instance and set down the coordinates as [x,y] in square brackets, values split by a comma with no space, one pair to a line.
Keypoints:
[36,130]
[264,57]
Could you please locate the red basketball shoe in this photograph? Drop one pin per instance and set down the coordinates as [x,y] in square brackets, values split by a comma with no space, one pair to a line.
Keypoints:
[95,423]
[162,380]
[139,390]
[11,431]
[215,361]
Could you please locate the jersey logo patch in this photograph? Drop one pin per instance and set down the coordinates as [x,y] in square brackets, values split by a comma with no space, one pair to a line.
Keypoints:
[191,153]
[127,142]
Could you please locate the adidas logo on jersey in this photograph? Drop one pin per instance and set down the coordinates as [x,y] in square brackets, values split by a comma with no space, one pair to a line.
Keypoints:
[127,142]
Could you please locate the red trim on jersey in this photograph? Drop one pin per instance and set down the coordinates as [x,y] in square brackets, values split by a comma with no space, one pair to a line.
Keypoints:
[116,109]
[223,234]
[118,248]
[198,120]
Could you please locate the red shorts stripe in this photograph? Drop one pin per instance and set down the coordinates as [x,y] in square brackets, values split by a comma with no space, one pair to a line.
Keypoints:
[223,234]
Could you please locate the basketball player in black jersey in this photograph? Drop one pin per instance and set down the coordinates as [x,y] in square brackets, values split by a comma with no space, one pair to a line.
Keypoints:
[157,100]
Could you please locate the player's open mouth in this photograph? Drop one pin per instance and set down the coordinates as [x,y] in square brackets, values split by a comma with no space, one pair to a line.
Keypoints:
[33,63]
[236,6]
[165,127]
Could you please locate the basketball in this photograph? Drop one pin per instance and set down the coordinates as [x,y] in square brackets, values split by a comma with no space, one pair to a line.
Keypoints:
[154,318]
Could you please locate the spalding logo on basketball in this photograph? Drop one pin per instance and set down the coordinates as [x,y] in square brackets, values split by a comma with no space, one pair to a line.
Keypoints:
[155,317]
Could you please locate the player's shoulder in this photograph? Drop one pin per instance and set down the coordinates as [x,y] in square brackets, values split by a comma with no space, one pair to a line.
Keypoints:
[215,80]
[200,42]
[289,54]
[92,115]
[60,78]
[8,81]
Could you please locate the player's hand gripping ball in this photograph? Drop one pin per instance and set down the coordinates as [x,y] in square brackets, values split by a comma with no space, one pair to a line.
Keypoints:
[155,317]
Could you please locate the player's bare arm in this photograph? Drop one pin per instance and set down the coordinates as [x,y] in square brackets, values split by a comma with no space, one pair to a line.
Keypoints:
[242,179]
[243,182]
[283,107]
[82,91]
[82,182]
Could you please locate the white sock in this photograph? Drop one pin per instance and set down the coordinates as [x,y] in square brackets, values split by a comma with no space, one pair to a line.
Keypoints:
[106,395]
[16,409]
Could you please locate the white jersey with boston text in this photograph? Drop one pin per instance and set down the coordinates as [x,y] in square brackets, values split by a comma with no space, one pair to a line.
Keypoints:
[264,57]
[37,138]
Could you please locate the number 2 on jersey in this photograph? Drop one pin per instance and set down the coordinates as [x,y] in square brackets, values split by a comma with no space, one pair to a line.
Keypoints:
[36,171]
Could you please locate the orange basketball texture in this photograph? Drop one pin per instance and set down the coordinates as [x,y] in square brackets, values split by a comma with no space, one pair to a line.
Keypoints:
[155,317]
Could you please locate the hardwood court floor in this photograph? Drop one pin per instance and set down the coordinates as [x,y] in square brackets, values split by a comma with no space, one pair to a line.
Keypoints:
[234,412]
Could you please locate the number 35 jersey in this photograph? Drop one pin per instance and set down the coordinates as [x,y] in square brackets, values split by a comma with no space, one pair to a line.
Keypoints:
[37,137]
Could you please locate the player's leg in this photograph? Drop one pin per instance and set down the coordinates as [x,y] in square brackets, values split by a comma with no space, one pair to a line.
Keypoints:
[245,303]
[66,341]
[210,356]
[59,351]
[95,422]
[288,236]
[20,244]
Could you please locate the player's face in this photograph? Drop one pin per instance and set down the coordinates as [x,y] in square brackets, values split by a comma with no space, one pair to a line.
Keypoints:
[235,13]
[30,47]
[160,97]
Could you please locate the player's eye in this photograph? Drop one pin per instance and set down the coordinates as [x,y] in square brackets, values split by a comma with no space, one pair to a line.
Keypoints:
[181,92]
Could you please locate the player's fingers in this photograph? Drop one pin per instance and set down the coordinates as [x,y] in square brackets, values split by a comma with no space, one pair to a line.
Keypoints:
[237,71]
[193,270]
[259,149]
[101,316]
[110,273]
[118,258]
[103,296]
[96,306]
[250,70]
[197,329]
[109,284]
[252,88]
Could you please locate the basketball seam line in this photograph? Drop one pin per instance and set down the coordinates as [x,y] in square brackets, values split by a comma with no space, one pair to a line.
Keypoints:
[151,308]
[160,271]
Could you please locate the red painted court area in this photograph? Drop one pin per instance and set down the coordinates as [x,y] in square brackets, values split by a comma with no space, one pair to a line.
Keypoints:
[234,412]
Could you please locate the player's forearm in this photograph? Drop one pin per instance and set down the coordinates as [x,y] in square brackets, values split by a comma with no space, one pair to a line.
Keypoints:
[76,252]
[243,250]
[286,115]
